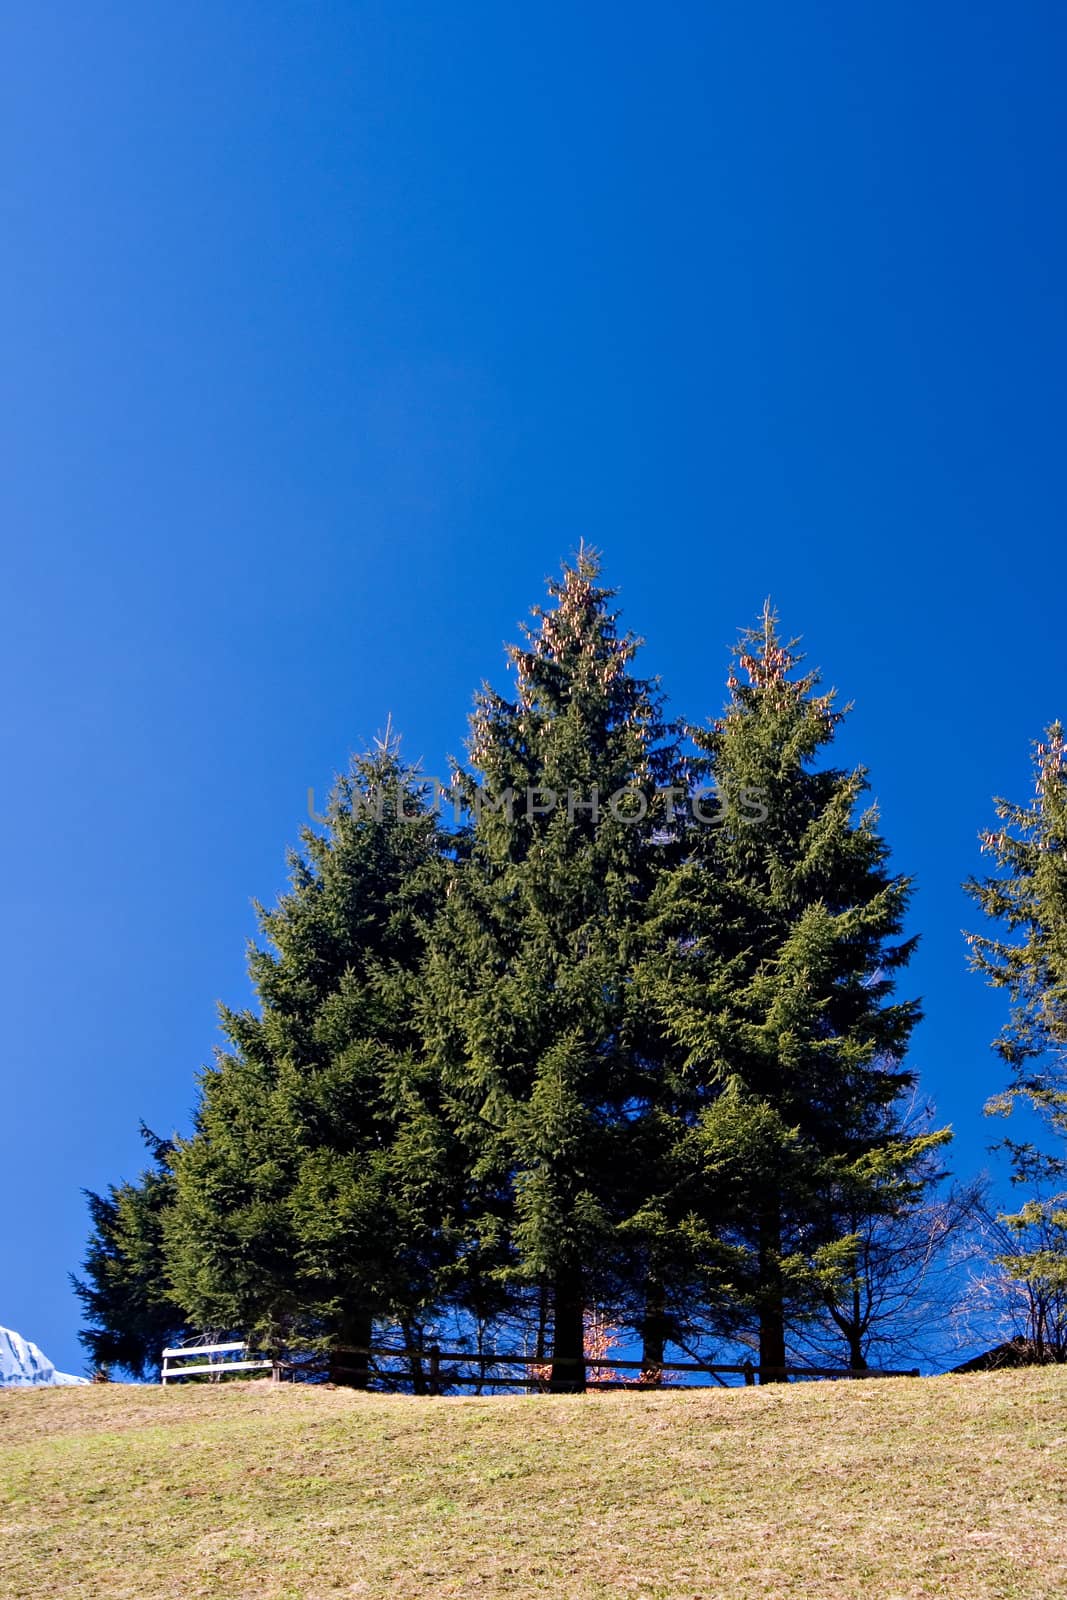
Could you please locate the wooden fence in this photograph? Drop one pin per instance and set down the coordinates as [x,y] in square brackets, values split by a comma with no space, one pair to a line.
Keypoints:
[439,1368]
[433,1370]
[210,1367]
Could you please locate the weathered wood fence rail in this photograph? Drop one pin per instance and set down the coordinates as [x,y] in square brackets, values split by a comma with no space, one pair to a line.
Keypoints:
[435,1369]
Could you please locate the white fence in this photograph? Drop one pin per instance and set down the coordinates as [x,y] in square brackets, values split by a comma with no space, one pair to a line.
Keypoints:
[231,1361]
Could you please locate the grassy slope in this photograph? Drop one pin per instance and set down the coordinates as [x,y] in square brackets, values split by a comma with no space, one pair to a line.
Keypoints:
[874,1491]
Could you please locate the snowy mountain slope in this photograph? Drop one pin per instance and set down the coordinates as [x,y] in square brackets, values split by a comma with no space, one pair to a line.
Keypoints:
[22,1364]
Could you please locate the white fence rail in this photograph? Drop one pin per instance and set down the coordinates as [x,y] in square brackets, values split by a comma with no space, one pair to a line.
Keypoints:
[176,1361]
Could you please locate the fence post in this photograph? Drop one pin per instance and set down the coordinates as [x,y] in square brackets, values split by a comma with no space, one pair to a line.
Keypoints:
[750,1374]
[435,1369]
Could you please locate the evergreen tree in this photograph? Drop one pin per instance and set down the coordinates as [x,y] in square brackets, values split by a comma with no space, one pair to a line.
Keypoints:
[598,1047]
[1027,896]
[527,994]
[309,1200]
[124,1292]
[777,986]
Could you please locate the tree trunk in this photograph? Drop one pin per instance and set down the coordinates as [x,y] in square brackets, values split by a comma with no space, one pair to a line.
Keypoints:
[544,1305]
[413,1341]
[349,1366]
[857,1361]
[568,1335]
[771,1301]
[653,1332]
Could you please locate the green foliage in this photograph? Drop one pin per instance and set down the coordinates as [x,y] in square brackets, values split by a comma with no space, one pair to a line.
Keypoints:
[592,1046]
[777,985]
[1027,896]
[124,1292]
[1045,1263]
[531,960]
[309,1200]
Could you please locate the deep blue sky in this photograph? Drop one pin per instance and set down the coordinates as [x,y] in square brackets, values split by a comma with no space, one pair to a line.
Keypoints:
[328,329]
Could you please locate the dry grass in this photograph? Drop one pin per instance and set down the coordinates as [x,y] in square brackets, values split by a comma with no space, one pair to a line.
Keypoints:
[886,1490]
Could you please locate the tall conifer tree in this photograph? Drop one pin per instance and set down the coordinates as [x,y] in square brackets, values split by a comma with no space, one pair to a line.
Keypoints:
[778,987]
[531,960]
[1027,896]
[131,1316]
[309,1201]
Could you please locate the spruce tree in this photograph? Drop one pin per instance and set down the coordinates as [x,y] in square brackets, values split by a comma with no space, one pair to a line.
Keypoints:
[124,1293]
[1027,897]
[777,986]
[527,995]
[309,1200]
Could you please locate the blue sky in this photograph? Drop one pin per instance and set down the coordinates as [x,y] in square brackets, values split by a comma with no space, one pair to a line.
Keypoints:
[329,329]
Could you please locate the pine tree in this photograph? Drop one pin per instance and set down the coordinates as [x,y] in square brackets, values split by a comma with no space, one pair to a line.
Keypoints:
[1027,897]
[778,989]
[309,1200]
[124,1292]
[527,1001]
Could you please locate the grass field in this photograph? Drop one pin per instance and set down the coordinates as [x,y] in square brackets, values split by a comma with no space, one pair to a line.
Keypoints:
[866,1491]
